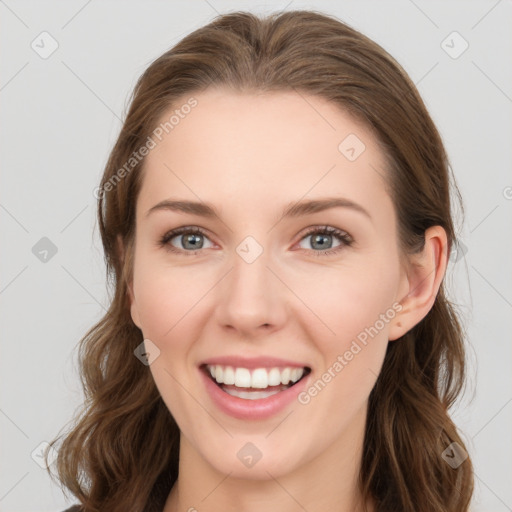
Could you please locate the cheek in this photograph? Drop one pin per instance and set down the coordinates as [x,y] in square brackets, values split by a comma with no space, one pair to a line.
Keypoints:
[165,302]
[357,308]
[350,301]
[165,297]
[155,304]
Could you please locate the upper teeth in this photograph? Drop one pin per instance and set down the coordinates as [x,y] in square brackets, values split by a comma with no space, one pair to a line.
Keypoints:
[257,378]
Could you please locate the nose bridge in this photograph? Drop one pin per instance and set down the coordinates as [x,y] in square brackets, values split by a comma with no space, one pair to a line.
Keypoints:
[250,275]
[249,297]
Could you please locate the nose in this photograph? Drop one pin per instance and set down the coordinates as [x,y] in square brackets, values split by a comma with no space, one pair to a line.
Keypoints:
[250,298]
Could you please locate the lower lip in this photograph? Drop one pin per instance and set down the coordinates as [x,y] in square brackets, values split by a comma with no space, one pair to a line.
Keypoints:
[246,409]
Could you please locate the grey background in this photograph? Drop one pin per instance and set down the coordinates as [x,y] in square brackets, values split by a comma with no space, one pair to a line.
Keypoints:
[61,115]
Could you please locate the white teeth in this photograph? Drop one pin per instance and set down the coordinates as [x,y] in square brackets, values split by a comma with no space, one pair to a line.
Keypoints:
[274,377]
[259,378]
[229,375]
[242,377]
[296,374]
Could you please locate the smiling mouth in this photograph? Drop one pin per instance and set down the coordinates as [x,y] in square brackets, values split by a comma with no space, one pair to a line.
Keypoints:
[254,384]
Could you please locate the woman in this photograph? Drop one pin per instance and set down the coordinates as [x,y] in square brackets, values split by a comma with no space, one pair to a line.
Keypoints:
[276,221]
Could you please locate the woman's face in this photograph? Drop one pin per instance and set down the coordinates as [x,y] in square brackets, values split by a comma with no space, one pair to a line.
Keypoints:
[256,289]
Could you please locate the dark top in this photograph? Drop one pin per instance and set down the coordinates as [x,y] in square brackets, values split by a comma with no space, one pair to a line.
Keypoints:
[74,508]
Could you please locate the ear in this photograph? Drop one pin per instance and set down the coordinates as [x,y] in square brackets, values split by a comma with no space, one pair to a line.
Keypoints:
[133,306]
[421,282]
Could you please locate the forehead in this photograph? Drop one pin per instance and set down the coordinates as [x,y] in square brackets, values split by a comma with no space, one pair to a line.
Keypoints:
[264,148]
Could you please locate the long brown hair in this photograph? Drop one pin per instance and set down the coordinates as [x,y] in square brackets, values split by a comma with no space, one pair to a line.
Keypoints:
[122,451]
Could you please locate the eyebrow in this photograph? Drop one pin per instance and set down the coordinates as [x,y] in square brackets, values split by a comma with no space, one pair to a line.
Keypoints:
[296,209]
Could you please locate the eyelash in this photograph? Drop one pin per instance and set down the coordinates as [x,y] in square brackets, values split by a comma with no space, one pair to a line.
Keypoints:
[344,237]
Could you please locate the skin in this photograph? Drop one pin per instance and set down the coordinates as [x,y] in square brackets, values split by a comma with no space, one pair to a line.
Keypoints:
[250,155]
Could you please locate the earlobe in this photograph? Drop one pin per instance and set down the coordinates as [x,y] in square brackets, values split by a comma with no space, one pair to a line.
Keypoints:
[424,277]
[134,312]
[129,285]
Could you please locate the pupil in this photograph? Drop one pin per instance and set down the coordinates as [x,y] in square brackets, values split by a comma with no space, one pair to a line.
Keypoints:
[190,239]
[320,237]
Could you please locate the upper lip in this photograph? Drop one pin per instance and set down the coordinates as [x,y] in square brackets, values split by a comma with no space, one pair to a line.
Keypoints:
[253,362]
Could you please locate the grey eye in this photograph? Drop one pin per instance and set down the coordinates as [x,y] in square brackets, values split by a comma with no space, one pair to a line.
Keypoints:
[189,241]
[320,241]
